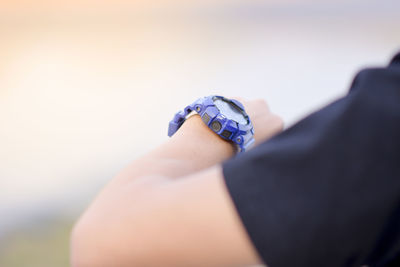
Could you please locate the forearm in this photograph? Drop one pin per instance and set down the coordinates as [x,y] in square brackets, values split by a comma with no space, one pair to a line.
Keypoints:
[194,147]
[184,153]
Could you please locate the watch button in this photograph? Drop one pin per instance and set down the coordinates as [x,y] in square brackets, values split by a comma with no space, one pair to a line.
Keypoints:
[227,134]
[206,118]
[216,126]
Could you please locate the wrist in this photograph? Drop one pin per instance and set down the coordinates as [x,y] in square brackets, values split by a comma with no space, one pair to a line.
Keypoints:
[226,117]
[196,138]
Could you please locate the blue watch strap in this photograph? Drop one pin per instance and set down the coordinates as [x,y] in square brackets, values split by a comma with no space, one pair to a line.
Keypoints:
[180,118]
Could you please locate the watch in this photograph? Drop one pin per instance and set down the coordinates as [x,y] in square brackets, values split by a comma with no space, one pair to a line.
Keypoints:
[225,117]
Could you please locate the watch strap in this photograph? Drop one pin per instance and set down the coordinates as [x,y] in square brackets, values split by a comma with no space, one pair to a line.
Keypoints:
[241,135]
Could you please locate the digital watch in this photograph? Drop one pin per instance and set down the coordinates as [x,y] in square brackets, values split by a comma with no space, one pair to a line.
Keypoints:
[225,117]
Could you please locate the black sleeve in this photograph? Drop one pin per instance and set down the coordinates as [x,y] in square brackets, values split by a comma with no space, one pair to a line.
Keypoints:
[326,192]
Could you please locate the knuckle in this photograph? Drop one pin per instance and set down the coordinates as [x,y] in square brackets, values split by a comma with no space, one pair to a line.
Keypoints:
[261,103]
[278,122]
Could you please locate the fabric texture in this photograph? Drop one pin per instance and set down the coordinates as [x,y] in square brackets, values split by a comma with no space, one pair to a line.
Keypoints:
[326,191]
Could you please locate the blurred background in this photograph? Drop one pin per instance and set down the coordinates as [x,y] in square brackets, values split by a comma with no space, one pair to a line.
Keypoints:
[87,86]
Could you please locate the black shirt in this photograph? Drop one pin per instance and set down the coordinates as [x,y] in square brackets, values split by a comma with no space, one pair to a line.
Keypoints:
[326,191]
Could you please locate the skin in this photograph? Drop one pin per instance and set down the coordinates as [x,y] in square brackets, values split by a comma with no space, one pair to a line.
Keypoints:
[171,206]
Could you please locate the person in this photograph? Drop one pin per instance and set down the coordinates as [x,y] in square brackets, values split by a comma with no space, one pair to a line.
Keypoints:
[324,192]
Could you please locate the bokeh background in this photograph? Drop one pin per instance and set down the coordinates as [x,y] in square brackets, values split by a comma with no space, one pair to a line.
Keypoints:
[88,86]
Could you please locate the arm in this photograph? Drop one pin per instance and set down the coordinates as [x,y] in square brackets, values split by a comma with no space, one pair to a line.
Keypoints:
[171,207]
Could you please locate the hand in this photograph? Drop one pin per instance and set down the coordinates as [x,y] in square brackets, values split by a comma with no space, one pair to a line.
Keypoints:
[266,124]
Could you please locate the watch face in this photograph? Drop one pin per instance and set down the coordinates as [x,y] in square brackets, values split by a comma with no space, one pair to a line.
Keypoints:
[230,111]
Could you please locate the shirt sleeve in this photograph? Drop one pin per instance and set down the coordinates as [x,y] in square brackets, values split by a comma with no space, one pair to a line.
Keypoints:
[326,192]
